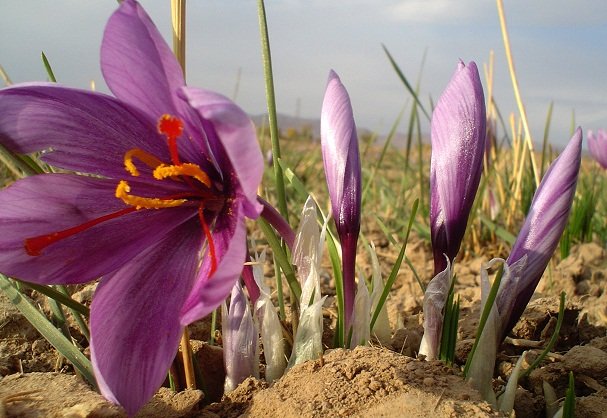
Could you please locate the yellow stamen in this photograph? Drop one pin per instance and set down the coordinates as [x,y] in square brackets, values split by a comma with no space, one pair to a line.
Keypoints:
[185,169]
[143,156]
[122,192]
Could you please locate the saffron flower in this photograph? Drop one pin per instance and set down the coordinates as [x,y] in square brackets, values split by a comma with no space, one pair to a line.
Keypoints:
[597,145]
[541,232]
[342,170]
[168,174]
[458,143]
[532,250]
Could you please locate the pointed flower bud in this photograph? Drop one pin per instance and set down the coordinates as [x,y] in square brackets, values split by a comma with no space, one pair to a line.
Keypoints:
[240,340]
[541,232]
[342,169]
[458,143]
[597,145]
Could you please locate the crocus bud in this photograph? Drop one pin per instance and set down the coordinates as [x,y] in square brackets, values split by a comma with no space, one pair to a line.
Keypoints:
[240,340]
[597,145]
[458,143]
[541,232]
[342,170]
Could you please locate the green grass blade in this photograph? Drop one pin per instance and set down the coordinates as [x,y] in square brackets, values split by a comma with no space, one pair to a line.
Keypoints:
[387,143]
[396,267]
[545,141]
[553,338]
[405,82]
[271,103]
[281,257]
[498,230]
[569,404]
[484,316]
[49,69]
[48,330]
[340,338]
[58,296]
[15,164]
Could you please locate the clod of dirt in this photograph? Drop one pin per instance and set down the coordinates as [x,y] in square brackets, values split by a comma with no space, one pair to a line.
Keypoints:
[366,382]
[56,395]
[52,395]
[587,360]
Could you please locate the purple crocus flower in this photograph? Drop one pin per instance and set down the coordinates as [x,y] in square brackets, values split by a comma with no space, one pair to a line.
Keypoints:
[597,145]
[540,234]
[168,174]
[342,170]
[458,143]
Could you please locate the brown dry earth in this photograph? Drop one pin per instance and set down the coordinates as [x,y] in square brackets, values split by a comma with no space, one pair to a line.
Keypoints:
[380,381]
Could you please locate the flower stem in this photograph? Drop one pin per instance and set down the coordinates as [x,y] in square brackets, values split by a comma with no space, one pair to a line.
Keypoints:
[271,102]
[178,21]
[188,365]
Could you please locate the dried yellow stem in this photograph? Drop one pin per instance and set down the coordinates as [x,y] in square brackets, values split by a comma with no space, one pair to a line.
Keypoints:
[517,94]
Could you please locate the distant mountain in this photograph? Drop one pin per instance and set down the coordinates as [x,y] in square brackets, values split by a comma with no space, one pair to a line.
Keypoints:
[286,122]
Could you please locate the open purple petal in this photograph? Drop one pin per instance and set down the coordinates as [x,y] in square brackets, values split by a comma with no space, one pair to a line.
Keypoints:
[209,291]
[76,129]
[458,143]
[134,318]
[541,232]
[228,127]
[137,64]
[50,203]
[140,69]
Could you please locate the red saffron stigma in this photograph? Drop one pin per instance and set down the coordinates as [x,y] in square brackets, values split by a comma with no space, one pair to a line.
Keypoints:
[172,128]
[34,246]
[207,233]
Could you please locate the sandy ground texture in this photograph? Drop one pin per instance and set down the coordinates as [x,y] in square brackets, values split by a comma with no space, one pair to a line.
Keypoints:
[385,380]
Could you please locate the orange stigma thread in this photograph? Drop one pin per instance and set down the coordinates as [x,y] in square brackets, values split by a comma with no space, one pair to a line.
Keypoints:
[172,128]
[34,246]
[210,242]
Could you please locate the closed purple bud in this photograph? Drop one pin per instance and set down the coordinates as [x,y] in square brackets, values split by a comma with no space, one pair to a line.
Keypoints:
[458,144]
[342,170]
[541,232]
[597,145]
[240,340]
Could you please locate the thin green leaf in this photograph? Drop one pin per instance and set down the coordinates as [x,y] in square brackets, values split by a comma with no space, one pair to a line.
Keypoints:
[48,331]
[48,68]
[484,316]
[281,257]
[553,338]
[569,404]
[339,288]
[396,267]
[271,103]
[58,296]
[405,82]
[498,230]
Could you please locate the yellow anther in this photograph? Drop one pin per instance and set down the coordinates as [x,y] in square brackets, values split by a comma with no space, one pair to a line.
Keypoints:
[185,169]
[122,192]
[143,156]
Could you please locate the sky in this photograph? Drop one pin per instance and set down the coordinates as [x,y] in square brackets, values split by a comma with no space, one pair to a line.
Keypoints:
[559,47]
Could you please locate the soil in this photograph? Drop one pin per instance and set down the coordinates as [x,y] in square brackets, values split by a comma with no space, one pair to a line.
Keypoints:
[382,380]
